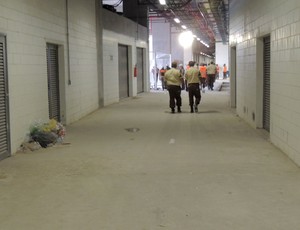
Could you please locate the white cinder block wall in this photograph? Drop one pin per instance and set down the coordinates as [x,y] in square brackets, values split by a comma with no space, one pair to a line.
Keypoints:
[29,26]
[249,21]
[111,41]
[110,69]
[82,94]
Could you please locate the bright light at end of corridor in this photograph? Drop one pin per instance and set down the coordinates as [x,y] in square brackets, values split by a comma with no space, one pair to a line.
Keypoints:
[186,39]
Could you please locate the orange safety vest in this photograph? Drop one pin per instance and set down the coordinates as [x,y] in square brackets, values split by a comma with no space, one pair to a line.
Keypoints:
[224,69]
[162,72]
[203,71]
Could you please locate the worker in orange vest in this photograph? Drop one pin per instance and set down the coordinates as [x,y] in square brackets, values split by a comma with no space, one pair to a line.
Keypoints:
[224,71]
[218,71]
[162,77]
[203,78]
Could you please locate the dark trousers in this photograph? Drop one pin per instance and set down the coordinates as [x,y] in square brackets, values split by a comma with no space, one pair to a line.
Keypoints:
[183,85]
[211,80]
[163,83]
[194,91]
[175,95]
[203,82]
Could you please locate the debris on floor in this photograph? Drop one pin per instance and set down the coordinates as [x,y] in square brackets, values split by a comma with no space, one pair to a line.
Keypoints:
[44,135]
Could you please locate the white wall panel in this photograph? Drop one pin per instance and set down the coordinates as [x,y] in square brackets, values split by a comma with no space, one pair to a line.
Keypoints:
[249,21]
[29,25]
[110,65]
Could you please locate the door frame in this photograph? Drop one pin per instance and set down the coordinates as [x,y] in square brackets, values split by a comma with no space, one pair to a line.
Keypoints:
[6,89]
[260,81]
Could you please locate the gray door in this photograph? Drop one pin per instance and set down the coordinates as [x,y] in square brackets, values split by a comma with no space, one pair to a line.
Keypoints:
[4,115]
[53,82]
[233,77]
[140,67]
[123,72]
[267,85]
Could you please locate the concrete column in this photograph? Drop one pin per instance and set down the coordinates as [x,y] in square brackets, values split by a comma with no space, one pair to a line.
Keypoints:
[187,55]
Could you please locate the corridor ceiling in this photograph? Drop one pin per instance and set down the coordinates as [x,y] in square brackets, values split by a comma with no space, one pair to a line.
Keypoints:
[207,19]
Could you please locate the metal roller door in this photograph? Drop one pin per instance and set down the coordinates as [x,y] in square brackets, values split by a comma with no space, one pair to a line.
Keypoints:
[53,82]
[4,120]
[123,72]
[266,87]
[140,67]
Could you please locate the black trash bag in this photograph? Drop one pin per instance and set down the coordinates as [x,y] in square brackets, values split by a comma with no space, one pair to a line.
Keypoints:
[45,138]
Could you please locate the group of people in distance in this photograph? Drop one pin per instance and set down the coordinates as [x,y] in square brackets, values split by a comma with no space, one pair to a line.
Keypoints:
[193,79]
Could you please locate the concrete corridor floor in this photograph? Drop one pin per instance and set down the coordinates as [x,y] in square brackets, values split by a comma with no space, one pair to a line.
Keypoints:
[201,171]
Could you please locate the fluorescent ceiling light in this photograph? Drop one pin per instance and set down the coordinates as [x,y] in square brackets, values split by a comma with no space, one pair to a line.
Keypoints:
[186,39]
[177,20]
[162,2]
[183,27]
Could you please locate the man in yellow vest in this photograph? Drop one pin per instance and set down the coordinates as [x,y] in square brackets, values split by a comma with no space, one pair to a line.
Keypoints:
[192,77]
[211,73]
[173,80]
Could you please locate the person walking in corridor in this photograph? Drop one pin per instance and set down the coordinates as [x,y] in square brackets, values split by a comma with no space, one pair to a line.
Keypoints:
[224,71]
[211,73]
[192,77]
[162,72]
[173,80]
[218,71]
[182,72]
[203,78]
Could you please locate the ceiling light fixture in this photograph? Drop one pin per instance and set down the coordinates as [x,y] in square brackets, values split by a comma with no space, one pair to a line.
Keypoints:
[204,44]
[162,2]
[186,39]
[177,20]
[183,27]
[204,54]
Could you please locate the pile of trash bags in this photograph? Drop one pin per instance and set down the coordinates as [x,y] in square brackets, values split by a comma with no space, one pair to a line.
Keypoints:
[47,133]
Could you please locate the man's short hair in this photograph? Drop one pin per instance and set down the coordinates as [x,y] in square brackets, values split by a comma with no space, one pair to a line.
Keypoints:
[174,64]
[191,63]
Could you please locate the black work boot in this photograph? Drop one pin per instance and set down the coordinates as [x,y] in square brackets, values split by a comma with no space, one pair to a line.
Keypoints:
[178,109]
[172,110]
[192,109]
[196,109]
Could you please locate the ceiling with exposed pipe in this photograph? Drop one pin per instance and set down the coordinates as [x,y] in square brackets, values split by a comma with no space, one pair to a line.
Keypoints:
[206,19]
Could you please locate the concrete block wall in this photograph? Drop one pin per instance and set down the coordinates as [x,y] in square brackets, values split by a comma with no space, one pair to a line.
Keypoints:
[111,40]
[82,94]
[29,26]
[250,21]
[110,70]
[120,30]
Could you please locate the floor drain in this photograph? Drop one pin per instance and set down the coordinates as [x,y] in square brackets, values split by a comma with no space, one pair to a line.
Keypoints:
[133,130]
